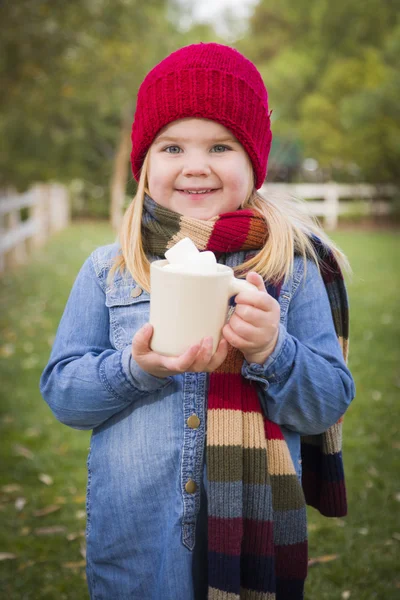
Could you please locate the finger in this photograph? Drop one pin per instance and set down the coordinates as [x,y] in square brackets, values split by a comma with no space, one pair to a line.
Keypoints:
[141,340]
[219,356]
[258,299]
[234,339]
[183,362]
[251,314]
[256,279]
[204,356]
[247,331]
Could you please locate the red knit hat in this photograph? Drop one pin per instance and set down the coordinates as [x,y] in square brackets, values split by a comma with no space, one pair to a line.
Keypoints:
[208,81]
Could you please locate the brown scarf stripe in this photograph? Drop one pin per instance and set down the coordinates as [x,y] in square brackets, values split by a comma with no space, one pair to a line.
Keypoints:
[198,231]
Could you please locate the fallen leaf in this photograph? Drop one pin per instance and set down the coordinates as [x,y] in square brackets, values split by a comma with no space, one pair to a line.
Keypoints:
[79,499]
[11,487]
[322,559]
[26,565]
[340,523]
[32,432]
[50,530]
[80,514]
[20,503]
[386,319]
[74,565]
[47,510]
[7,419]
[60,500]
[30,363]
[22,451]
[7,556]
[7,350]
[75,535]
[82,549]
[46,479]
[62,449]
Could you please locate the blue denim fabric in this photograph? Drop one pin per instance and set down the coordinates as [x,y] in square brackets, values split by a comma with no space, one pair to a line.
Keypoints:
[146,535]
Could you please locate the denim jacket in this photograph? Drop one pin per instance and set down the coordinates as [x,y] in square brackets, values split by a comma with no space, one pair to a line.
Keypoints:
[146,534]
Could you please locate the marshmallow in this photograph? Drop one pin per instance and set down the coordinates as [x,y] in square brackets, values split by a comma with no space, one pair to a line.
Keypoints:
[181,252]
[185,258]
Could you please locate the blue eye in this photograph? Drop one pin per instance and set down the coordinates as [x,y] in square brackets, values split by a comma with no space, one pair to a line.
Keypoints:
[172,149]
[219,148]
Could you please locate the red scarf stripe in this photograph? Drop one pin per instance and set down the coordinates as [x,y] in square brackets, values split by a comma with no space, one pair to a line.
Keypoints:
[272,431]
[222,382]
[291,560]
[258,537]
[225,535]
[230,232]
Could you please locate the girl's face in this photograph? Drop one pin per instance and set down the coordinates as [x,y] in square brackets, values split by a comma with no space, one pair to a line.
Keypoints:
[198,168]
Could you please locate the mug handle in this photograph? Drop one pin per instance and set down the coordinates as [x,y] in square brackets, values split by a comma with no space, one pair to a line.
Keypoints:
[240,285]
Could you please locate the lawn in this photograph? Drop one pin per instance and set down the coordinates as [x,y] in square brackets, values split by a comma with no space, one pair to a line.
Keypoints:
[43,474]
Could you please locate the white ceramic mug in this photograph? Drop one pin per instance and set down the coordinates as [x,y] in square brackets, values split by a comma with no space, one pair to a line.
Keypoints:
[187,307]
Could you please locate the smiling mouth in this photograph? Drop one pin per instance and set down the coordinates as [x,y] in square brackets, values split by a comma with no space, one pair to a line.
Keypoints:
[198,192]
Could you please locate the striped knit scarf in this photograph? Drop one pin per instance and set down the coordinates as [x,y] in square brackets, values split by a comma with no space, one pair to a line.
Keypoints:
[257,530]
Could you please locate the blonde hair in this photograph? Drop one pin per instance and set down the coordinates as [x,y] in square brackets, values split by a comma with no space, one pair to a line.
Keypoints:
[289,230]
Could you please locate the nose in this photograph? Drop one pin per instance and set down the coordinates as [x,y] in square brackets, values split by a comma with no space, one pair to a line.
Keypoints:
[196,166]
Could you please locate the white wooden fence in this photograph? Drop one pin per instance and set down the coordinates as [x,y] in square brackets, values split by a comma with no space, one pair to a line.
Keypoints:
[325,199]
[48,209]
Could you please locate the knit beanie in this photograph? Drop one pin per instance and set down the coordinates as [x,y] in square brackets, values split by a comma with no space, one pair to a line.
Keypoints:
[208,81]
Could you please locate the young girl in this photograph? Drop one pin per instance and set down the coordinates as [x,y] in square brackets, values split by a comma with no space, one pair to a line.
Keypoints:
[160,526]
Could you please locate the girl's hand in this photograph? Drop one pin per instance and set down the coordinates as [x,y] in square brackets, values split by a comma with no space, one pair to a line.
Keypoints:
[197,359]
[254,326]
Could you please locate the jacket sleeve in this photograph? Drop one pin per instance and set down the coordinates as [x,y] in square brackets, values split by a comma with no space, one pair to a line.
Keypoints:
[86,380]
[305,384]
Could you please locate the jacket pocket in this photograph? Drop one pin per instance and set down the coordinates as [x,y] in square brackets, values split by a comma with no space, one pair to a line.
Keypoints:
[129,308]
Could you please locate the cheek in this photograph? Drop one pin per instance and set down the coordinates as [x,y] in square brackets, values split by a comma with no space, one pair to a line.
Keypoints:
[240,177]
[157,176]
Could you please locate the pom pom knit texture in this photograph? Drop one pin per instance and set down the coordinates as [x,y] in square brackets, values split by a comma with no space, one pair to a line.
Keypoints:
[209,81]
[257,532]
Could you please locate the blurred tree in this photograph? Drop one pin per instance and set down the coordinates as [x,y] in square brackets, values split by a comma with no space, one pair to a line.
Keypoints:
[69,75]
[332,74]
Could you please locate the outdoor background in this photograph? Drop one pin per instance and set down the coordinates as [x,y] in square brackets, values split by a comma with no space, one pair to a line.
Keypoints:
[69,77]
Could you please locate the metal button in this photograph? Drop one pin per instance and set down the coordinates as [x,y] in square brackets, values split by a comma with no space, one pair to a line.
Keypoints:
[190,486]
[193,421]
[136,292]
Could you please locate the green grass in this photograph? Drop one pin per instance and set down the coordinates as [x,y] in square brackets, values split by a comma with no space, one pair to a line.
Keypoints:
[32,443]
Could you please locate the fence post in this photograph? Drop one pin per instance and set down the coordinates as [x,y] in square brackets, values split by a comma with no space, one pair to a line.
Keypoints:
[39,213]
[332,206]
[58,207]
[17,255]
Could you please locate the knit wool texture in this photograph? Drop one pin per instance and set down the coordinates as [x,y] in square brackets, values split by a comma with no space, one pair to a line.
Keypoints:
[208,81]
[257,529]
